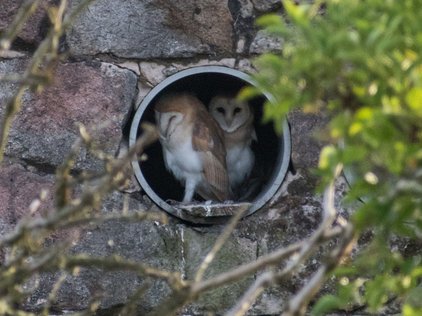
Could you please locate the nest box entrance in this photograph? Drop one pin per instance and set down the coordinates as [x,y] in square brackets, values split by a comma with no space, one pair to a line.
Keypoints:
[272,151]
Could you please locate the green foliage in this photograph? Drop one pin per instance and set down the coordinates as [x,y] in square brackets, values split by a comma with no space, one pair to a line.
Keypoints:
[360,62]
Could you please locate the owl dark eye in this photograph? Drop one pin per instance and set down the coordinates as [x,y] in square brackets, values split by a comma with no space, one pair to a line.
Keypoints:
[221,110]
[237,110]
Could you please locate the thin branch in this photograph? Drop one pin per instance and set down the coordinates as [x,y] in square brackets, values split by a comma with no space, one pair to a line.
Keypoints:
[113,263]
[53,294]
[262,282]
[90,198]
[307,248]
[132,302]
[237,273]
[192,291]
[222,238]
[188,291]
[24,13]
[63,178]
[298,304]
[45,57]
[272,259]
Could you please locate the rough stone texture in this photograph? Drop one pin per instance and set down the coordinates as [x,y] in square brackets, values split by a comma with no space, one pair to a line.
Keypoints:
[18,189]
[8,89]
[151,29]
[98,95]
[246,65]
[291,216]
[263,43]
[145,241]
[244,25]
[305,150]
[265,5]
[245,9]
[152,39]
[173,247]
[34,29]
[153,73]
[236,251]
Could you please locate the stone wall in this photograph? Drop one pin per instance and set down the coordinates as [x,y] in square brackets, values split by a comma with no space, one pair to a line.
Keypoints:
[115,53]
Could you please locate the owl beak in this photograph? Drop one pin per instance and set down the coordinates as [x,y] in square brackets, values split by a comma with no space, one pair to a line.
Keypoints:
[229,120]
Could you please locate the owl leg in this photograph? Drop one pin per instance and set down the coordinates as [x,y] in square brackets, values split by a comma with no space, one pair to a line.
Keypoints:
[190,186]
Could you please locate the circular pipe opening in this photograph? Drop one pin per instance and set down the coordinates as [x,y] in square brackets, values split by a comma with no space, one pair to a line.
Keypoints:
[272,152]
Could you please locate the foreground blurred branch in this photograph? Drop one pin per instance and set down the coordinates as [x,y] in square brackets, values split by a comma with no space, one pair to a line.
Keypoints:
[24,13]
[304,250]
[90,197]
[27,254]
[23,261]
[296,254]
[41,67]
[299,303]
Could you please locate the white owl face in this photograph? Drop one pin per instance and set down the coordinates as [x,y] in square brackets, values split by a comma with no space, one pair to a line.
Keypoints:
[167,122]
[229,113]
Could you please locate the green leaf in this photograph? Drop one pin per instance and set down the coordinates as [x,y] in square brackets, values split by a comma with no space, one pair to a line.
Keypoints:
[270,20]
[326,304]
[411,311]
[414,100]
[296,12]
[359,62]
[414,299]
[248,93]
[328,158]
[376,292]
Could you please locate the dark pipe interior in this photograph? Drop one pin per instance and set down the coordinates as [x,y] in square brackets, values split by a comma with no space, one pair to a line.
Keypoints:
[205,85]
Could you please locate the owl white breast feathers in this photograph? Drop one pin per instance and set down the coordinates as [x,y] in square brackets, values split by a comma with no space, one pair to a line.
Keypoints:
[236,120]
[193,146]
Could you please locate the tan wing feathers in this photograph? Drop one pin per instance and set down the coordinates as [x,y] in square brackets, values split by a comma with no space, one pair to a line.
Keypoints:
[208,138]
[216,175]
[207,141]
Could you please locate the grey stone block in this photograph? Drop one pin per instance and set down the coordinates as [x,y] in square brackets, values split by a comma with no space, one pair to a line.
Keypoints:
[236,251]
[152,29]
[34,30]
[98,95]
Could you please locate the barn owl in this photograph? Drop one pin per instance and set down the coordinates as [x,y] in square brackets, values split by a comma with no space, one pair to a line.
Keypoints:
[236,120]
[193,146]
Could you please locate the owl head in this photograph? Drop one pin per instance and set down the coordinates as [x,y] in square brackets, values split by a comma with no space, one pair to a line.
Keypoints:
[230,113]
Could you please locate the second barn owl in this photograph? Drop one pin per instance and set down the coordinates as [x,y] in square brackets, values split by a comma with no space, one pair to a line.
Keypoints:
[193,146]
[236,120]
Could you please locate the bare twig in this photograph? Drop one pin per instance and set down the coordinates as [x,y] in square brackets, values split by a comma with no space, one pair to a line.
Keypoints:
[26,252]
[262,282]
[53,294]
[222,238]
[113,263]
[306,249]
[25,12]
[237,273]
[298,304]
[193,290]
[45,58]
[91,197]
